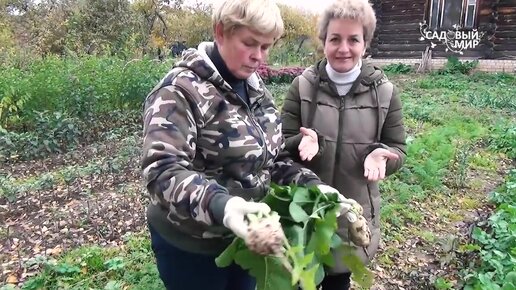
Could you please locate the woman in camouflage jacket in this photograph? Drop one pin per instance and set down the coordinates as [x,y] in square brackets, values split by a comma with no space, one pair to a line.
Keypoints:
[212,142]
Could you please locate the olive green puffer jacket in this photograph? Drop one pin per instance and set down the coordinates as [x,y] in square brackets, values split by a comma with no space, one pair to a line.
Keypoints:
[349,127]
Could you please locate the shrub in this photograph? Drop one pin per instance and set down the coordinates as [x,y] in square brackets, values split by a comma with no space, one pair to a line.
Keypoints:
[503,139]
[397,68]
[496,241]
[83,87]
[55,133]
[282,75]
[455,66]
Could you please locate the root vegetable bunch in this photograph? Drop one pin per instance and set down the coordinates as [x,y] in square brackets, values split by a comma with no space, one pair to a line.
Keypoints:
[359,232]
[294,254]
[265,235]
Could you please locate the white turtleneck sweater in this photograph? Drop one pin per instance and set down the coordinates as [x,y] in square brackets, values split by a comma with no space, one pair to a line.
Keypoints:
[344,81]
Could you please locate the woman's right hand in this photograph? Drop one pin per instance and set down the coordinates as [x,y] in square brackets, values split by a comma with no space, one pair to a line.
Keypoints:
[235,211]
[375,163]
[309,146]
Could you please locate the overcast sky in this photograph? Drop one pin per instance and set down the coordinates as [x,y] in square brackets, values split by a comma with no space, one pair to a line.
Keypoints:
[310,5]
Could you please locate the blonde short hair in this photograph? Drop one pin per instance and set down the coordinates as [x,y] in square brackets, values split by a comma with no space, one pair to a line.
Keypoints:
[259,15]
[359,10]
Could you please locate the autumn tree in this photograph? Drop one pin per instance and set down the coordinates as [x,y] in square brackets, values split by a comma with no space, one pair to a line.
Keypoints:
[297,23]
[72,26]
[127,28]
[152,23]
[299,42]
[6,33]
[99,26]
[191,25]
[13,27]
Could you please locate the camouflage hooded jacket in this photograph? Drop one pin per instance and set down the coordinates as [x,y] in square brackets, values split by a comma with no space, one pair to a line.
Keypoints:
[203,145]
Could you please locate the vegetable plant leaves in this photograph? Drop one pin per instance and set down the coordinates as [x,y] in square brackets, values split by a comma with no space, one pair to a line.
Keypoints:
[268,271]
[309,221]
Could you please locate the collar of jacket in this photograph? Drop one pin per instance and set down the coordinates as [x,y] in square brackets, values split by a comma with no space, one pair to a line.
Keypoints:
[369,75]
[197,60]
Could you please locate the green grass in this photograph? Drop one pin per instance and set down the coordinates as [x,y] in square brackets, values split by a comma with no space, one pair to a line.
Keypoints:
[496,243]
[443,126]
[93,267]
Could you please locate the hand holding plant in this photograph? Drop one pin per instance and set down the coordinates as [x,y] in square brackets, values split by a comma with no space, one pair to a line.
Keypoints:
[301,229]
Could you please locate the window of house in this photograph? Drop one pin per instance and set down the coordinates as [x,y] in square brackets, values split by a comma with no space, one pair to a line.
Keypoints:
[443,14]
[471,12]
[434,15]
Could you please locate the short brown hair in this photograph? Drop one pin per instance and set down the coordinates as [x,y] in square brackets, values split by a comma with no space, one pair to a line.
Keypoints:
[259,15]
[360,10]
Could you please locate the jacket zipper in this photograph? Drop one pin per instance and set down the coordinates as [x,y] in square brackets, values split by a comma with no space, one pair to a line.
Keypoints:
[371,204]
[378,134]
[339,136]
[262,135]
[338,150]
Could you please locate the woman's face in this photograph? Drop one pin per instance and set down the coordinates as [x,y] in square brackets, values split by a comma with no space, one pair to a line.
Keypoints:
[243,49]
[344,45]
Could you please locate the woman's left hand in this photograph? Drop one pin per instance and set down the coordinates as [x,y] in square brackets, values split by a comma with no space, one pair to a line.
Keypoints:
[309,146]
[376,163]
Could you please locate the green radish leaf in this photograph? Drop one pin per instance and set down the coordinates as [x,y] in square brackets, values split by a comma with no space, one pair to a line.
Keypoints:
[297,212]
[226,258]
[281,192]
[298,269]
[361,274]
[317,199]
[268,271]
[321,239]
[301,264]
[327,260]
[309,221]
[508,286]
[336,241]
[301,195]
[319,275]
[295,234]
[277,204]
[308,278]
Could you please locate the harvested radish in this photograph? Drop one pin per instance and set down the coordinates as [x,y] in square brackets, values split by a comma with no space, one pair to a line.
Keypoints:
[265,235]
[359,232]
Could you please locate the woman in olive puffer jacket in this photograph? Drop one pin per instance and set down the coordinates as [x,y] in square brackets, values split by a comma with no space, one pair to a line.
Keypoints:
[343,118]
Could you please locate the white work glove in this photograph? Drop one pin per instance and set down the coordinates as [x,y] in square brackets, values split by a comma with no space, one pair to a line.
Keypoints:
[235,211]
[348,206]
[309,145]
[359,232]
[376,162]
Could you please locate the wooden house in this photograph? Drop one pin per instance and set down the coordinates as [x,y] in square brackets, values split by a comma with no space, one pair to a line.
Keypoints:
[484,29]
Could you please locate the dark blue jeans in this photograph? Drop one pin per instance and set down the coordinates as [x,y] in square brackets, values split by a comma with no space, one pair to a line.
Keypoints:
[180,270]
[336,282]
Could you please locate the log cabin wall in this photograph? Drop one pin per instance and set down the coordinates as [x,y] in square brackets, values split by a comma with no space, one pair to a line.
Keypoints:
[398,36]
[504,40]
[397,29]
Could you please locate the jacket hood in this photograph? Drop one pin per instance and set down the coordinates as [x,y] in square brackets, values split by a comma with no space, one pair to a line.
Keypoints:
[198,61]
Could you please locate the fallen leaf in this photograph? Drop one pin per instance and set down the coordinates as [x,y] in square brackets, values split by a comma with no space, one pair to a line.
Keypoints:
[12,279]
